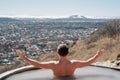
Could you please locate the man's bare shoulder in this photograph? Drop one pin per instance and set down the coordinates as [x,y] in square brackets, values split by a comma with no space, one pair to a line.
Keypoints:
[47,65]
[76,62]
[50,62]
[72,61]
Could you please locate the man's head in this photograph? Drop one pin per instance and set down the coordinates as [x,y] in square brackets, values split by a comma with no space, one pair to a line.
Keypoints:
[62,50]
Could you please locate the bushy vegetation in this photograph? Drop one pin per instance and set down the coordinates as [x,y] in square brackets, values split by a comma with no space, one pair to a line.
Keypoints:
[110,29]
[106,37]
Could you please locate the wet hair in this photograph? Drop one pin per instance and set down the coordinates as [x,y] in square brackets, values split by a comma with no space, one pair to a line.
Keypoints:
[62,50]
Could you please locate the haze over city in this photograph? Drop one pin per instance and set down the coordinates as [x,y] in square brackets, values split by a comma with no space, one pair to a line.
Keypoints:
[59,8]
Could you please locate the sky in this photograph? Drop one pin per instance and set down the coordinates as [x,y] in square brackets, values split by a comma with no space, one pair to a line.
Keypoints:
[60,8]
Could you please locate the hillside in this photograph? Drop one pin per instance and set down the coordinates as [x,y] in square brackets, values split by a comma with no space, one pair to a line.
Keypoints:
[83,51]
[106,38]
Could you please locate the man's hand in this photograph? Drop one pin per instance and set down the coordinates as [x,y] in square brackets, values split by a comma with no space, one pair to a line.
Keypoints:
[100,52]
[20,54]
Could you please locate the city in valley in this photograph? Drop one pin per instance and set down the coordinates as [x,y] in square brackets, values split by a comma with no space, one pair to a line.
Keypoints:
[38,36]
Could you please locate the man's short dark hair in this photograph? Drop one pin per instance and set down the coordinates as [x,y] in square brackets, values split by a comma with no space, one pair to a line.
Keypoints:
[62,50]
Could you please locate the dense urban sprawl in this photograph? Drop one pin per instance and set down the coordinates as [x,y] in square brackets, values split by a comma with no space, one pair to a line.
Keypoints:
[37,37]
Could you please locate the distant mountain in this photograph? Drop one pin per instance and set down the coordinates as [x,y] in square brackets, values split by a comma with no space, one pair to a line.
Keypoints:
[79,19]
[5,19]
[77,16]
[73,18]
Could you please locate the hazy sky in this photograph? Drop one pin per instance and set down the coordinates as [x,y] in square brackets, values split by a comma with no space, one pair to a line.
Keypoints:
[57,8]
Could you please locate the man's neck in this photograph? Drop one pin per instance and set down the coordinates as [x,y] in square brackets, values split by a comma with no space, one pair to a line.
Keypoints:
[63,59]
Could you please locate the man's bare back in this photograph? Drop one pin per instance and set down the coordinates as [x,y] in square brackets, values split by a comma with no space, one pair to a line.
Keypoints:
[63,67]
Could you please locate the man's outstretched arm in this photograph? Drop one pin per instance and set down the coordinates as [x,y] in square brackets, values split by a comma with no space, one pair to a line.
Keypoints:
[78,64]
[46,65]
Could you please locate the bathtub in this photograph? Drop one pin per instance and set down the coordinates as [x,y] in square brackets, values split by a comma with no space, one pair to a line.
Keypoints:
[87,73]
